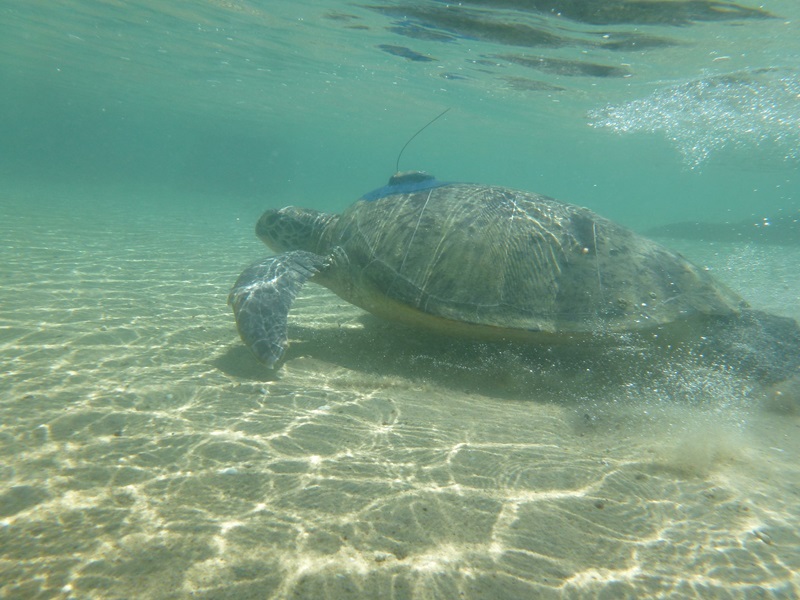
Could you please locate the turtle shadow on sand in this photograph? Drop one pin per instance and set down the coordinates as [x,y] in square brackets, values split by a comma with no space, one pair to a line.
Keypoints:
[563,373]
[383,352]
[539,292]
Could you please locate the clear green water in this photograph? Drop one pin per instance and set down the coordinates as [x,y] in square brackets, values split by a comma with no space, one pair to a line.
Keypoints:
[144,454]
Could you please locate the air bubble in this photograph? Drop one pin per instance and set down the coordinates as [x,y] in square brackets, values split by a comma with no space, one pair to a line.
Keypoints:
[757,108]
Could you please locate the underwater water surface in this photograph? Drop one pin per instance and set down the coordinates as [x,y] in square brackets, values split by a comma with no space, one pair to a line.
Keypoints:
[144,453]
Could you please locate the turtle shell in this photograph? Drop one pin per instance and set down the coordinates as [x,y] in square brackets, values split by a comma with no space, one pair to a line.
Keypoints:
[514,260]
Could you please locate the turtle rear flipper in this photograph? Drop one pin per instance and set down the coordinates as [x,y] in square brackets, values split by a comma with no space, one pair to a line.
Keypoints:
[756,344]
[262,297]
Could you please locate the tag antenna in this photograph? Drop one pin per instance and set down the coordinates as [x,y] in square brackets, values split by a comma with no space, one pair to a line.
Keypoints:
[423,128]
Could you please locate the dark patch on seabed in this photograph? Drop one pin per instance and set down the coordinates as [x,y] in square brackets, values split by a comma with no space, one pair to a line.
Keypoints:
[406,53]
[634,12]
[420,32]
[455,23]
[560,66]
[523,84]
[547,24]
[428,25]
[477,21]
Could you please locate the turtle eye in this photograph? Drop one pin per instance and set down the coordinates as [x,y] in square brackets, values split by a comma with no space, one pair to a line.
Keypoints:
[267,224]
[269,219]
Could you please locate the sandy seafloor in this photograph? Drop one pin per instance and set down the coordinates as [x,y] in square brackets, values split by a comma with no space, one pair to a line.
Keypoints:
[145,454]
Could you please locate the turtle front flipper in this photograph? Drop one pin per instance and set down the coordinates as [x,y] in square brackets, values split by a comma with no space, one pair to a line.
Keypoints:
[262,297]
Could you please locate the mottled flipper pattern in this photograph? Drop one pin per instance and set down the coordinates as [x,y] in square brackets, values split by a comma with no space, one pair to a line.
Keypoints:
[262,297]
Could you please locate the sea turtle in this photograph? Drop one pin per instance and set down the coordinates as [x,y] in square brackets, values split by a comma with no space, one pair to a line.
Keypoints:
[495,263]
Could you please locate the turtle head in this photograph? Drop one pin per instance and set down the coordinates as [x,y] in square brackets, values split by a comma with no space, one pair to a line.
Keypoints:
[293,228]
